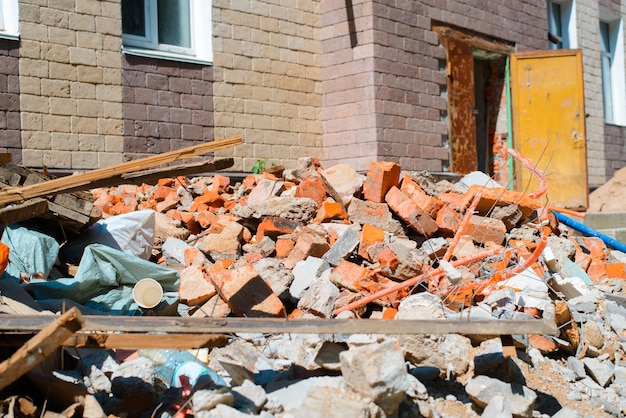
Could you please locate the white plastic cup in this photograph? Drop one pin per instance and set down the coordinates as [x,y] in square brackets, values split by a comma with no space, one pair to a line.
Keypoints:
[147,293]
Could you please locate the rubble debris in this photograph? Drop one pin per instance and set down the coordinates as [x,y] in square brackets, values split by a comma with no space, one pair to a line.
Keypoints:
[316,243]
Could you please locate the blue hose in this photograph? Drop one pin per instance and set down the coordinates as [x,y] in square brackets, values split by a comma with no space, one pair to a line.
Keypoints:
[611,242]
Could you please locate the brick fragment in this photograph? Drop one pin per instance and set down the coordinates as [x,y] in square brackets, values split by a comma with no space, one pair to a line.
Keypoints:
[456,201]
[491,197]
[361,280]
[284,245]
[387,259]
[246,293]
[329,211]
[616,270]
[212,308]
[427,203]
[195,288]
[597,270]
[381,176]
[205,218]
[483,229]
[162,193]
[220,183]
[448,221]
[264,190]
[595,247]
[209,198]
[410,213]
[313,188]
[194,257]
[273,226]
[370,235]
[308,244]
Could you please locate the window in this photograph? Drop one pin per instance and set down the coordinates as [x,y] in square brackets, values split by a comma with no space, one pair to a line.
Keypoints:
[9,19]
[171,29]
[612,68]
[562,24]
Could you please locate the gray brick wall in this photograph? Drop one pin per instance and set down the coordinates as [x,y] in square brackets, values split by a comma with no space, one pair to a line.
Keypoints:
[10,139]
[167,105]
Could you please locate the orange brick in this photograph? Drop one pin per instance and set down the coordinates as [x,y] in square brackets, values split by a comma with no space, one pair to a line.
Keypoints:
[483,229]
[313,188]
[456,201]
[296,314]
[194,257]
[253,257]
[284,247]
[389,313]
[370,235]
[597,270]
[410,213]
[387,259]
[525,252]
[307,244]
[220,183]
[246,293]
[491,197]
[448,221]
[361,280]
[195,288]
[427,203]
[273,226]
[596,248]
[209,198]
[615,270]
[166,182]
[381,177]
[120,208]
[205,218]
[583,260]
[328,211]
[164,193]
[249,182]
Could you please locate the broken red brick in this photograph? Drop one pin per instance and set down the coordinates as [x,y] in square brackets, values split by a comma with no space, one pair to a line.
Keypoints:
[273,226]
[308,244]
[456,201]
[359,279]
[427,203]
[483,229]
[205,218]
[381,177]
[596,248]
[162,193]
[491,197]
[194,257]
[387,259]
[246,293]
[313,188]
[410,213]
[370,235]
[616,270]
[195,288]
[284,247]
[329,211]
[448,221]
[209,198]
[220,183]
[597,270]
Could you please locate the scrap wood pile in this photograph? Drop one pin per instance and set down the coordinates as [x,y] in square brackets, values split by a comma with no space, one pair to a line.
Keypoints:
[332,243]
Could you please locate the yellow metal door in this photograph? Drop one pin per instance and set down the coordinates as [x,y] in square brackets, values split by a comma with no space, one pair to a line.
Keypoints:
[547,104]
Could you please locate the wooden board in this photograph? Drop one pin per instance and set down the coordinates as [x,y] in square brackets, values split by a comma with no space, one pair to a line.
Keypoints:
[178,325]
[23,211]
[84,180]
[52,335]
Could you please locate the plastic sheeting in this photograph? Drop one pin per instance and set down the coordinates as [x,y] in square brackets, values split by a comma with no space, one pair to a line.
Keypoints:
[132,232]
[30,251]
[105,280]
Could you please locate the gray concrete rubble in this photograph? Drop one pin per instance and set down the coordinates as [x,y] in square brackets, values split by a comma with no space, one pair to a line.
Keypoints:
[324,244]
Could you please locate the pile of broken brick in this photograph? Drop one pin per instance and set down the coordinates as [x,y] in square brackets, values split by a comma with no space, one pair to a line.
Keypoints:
[332,243]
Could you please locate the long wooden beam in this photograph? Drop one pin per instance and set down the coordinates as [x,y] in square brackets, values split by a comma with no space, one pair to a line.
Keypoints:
[178,325]
[53,334]
[62,184]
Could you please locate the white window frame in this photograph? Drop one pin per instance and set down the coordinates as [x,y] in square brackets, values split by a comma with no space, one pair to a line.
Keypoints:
[569,34]
[9,19]
[201,50]
[618,76]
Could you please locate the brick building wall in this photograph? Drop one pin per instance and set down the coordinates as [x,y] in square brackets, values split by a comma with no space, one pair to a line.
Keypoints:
[385,95]
[266,73]
[70,83]
[167,105]
[10,140]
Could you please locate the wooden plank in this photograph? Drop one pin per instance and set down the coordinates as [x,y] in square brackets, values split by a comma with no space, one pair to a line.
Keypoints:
[40,346]
[69,214]
[474,41]
[63,184]
[178,325]
[23,211]
[80,202]
[137,341]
